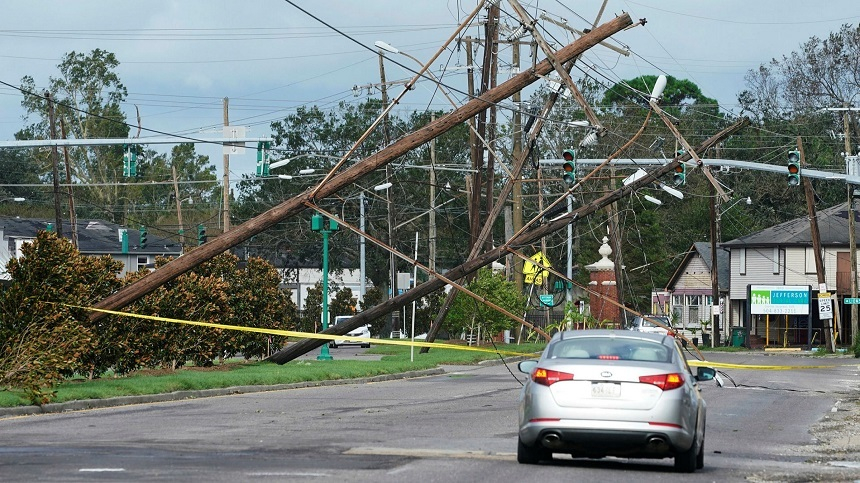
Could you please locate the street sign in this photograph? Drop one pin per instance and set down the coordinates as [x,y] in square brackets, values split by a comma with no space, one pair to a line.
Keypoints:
[825,309]
[534,271]
[850,301]
[546,299]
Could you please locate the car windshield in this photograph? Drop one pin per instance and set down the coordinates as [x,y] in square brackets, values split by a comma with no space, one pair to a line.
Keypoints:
[662,320]
[606,348]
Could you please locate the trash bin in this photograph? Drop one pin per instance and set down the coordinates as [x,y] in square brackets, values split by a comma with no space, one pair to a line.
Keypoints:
[739,336]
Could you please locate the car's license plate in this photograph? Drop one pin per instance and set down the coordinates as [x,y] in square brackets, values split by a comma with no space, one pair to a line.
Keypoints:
[605,389]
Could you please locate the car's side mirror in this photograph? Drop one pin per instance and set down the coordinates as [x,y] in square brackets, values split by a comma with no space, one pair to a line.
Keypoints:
[526,367]
[705,373]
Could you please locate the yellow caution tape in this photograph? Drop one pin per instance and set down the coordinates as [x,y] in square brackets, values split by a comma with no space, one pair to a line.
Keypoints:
[309,335]
[437,345]
[723,365]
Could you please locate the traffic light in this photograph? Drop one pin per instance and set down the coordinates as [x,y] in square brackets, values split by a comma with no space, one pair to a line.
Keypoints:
[142,236]
[129,160]
[680,176]
[569,166]
[201,234]
[793,167]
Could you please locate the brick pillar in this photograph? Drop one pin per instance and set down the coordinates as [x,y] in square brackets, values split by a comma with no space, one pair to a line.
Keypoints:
[602,286]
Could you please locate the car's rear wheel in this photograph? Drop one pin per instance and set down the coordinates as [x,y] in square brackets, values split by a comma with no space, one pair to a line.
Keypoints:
[366,346]
[332,345]
[700,458]
[531,455]
[687,461]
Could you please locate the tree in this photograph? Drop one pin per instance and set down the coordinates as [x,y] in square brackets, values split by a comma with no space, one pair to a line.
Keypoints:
[87,101]
[373,297]
[468,315]
[312,311]
[44,333]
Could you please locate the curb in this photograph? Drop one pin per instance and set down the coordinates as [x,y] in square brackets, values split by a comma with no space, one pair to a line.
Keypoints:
[82,405]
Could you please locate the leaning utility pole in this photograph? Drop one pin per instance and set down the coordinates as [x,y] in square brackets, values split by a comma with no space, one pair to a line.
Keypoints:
[299,203]
[816,244]
[55,170]
[73,218]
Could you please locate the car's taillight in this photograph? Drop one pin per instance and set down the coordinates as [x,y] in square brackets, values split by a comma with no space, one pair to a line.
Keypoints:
[664,381]
[548,377]
[671,333]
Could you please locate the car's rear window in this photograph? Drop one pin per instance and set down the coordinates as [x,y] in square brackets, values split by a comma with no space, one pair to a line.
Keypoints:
[610,349]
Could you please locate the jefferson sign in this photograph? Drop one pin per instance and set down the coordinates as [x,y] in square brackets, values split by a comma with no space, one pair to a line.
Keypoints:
[779,299]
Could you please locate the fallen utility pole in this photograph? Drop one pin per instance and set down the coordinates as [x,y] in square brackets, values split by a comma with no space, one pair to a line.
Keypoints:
[302,347]
[295,205]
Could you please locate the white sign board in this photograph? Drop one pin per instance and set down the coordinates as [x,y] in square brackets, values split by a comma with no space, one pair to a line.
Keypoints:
[779,299]
[825,307]
[234,132]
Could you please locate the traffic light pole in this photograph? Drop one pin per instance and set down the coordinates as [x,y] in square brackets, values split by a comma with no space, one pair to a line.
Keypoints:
[324,354]
[325,226]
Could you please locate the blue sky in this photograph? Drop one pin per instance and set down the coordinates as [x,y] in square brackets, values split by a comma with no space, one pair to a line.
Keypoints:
[180,58]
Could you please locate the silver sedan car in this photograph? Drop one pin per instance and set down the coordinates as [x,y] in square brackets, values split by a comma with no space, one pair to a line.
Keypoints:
[597,393]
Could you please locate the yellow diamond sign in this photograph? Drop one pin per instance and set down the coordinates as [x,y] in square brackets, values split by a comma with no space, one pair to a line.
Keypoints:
[534,270]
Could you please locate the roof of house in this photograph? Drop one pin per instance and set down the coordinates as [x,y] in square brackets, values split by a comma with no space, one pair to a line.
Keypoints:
[832,227]
[703,250]
[94,236]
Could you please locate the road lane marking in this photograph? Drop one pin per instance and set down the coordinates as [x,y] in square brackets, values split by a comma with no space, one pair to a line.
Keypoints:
[431,453]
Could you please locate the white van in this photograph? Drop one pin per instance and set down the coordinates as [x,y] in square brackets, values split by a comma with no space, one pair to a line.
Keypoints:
[363,331]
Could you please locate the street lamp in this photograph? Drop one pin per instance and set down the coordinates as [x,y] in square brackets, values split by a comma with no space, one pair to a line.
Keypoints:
[18,199]
[325,226]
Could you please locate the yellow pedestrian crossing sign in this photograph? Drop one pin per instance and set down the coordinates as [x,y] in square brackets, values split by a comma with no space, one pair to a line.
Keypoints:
[534,271]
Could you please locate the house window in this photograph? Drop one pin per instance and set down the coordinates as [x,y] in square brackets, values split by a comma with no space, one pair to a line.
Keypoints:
[775,260]
[809,256]
[742,261]
[142,262]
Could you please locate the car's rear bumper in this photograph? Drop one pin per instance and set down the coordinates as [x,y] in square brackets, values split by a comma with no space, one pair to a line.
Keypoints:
[607,438]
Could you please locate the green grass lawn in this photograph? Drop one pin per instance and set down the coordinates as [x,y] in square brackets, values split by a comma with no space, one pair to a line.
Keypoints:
[396,359]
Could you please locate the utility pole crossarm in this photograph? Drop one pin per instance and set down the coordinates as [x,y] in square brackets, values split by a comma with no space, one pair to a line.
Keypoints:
[559,68]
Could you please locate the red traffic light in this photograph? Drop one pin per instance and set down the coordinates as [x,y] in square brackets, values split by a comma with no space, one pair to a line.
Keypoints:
[679,168]
[793,168]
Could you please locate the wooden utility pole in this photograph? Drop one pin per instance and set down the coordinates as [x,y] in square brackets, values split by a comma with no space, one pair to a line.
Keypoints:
[715,278]
[225,194]
[816,244]
[431,233]
[299,203]
[517,208]
[392,260]
[73,218]
[491,46]
[178,207]
[55,170]
[852,237]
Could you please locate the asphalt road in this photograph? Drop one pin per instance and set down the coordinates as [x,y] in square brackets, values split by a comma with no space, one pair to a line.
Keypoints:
[456,427]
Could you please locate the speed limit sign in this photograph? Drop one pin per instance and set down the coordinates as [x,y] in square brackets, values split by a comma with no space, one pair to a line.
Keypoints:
[825,306]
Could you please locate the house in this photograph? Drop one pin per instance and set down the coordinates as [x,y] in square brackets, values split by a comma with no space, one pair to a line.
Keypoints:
[95,238]
[688,296]
[780,259]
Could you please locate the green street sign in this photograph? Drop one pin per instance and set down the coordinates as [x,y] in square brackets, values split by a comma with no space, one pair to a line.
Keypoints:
[546,299]
[851,301]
